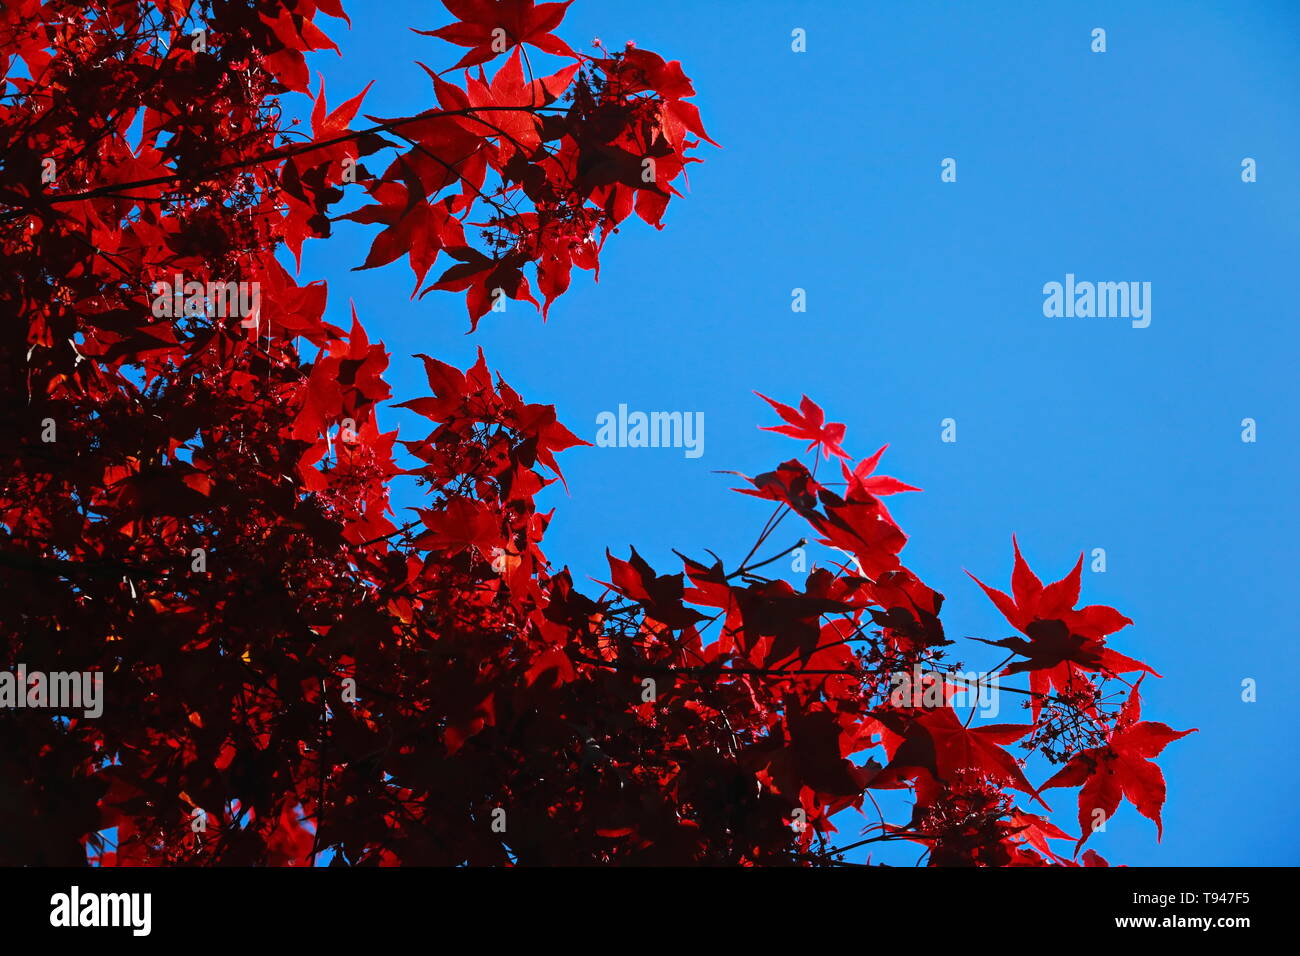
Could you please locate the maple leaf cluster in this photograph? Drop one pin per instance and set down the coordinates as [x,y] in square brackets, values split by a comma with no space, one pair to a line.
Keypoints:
[196,509]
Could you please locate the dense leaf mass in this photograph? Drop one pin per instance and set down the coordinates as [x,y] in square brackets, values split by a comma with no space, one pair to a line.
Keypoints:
[195,500]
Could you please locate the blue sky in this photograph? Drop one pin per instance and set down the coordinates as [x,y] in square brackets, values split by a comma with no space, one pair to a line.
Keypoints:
[925,302]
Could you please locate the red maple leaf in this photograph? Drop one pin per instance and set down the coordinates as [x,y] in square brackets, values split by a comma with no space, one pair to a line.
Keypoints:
[661,594]
[861,478]
[938,743]
[416,228]
[808,423]
[1036,831]
[1121,768]
[1062,639]
[328,125]
[518,21]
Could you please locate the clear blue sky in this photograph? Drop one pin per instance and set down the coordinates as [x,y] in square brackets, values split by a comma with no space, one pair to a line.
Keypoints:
[925,302]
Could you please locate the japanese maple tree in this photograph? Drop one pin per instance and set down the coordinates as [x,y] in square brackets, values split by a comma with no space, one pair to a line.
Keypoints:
[196,501]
